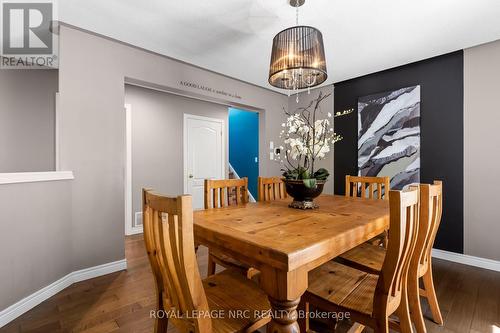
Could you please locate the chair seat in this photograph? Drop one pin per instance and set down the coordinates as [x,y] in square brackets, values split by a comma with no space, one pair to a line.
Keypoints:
[227,262]
[361,298]
[370,258]
[366,257]
[343,286]
[231,291]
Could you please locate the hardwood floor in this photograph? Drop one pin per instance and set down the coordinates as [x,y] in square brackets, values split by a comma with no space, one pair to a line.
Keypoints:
[120,302]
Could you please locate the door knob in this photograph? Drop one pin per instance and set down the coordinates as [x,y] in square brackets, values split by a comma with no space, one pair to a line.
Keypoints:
[190,176]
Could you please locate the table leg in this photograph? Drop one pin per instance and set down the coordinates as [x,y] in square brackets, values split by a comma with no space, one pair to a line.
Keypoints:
[284,290]
[284,316]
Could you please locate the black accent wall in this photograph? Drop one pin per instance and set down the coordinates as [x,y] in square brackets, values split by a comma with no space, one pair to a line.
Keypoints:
[442,124]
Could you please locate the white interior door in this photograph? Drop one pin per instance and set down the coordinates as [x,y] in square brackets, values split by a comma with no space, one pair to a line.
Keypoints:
[203,154]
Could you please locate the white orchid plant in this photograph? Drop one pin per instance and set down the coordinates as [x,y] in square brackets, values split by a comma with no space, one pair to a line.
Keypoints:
[308,136]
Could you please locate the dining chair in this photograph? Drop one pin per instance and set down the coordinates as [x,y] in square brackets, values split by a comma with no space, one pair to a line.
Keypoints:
[271,188]
[369,298]
[222,193]
[168,234]
[371,188]
[225,192]
[370,258]
[367,187]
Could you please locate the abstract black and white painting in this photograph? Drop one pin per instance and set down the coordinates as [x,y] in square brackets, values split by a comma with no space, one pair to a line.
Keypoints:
[389,136]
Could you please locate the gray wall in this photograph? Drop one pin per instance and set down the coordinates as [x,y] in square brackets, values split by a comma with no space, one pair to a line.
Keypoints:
[27,120]
[92,76]
[481,150]
[157,139]
[326,106]
[35,237]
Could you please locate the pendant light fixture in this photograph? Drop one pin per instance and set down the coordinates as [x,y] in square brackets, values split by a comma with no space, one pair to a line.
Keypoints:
[297,57]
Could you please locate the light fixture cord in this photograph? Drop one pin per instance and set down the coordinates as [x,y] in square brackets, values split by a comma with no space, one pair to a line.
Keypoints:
[297,12]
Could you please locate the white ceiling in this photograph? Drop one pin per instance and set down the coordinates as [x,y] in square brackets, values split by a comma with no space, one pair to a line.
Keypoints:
[233,37]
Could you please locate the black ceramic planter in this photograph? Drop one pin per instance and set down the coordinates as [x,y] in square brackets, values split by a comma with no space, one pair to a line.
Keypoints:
[303,197]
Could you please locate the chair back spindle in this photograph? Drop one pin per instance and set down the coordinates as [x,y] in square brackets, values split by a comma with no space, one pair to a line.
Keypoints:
[431,201]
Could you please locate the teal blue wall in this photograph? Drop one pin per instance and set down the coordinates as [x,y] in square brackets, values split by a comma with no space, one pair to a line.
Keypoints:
[244,145]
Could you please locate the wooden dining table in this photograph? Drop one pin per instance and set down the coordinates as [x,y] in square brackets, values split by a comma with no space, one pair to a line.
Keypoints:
[284,244]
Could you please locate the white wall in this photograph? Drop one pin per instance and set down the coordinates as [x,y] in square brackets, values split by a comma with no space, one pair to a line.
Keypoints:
[482,151]
[92,75]
[157,139]
[27,120]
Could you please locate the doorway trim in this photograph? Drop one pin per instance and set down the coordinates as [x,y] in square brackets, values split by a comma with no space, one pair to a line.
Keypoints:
[184,148]
[130,229]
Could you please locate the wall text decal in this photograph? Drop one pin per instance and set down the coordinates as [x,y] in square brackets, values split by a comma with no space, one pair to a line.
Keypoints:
[209,89]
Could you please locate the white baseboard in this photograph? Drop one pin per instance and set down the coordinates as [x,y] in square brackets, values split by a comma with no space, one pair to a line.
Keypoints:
[131,227]
[467,260]
[135,231]
[12,312]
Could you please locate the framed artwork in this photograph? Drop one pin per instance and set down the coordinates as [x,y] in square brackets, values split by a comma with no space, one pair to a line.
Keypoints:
[389,136]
